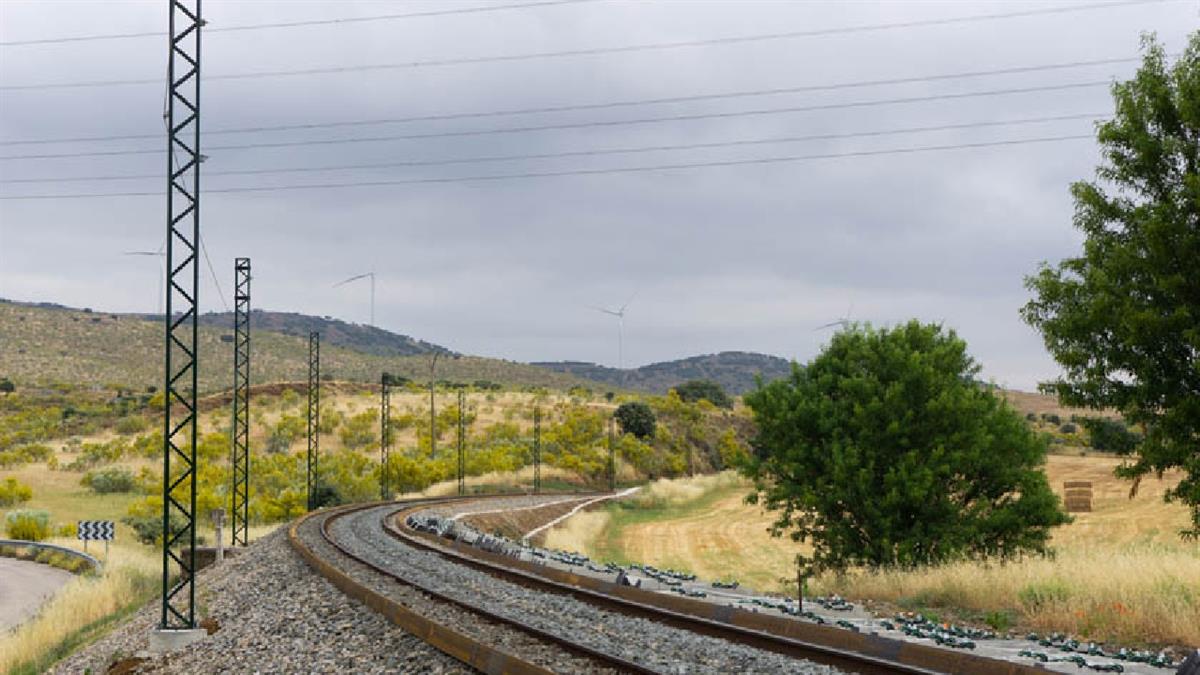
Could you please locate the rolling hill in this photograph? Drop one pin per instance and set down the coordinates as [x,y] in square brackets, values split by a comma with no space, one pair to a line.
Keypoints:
[44,343]
[735,371]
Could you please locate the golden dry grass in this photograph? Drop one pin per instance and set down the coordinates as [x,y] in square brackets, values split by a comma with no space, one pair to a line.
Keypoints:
[129,576]
[1119,573]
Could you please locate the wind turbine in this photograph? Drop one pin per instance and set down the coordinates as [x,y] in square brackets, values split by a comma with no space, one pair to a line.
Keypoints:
[844,322]
[356,278]
[620,314]
[162,278]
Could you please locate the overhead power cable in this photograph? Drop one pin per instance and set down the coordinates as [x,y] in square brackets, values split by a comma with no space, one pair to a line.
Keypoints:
[591,153]
[298,24]
[591,123]
[603,105]
[595,51]
[573,172]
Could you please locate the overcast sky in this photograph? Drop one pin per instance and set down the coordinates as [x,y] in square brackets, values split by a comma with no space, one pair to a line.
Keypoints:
[742,257]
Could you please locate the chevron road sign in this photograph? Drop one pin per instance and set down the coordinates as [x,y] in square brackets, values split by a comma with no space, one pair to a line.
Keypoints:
[96,530]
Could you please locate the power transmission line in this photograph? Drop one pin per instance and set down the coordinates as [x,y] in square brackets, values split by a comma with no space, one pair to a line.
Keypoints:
[297,24]
[685,98]
[592,123]
[591,153]
[577,172]
[595,51]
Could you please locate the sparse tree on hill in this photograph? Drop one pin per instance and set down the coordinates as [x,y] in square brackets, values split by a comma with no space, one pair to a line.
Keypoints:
[696,390]
[1123,318]
[884,450]
[7,386]
[636,418]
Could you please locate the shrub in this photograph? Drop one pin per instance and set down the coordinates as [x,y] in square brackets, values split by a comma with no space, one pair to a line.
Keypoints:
[1110,435]
[1051,418]
[7,386]
[13,492]
[148,528]
[27,525]
[133,424]
[111,480]
[694,391]
[636,418]
[1068,428]
[25,454]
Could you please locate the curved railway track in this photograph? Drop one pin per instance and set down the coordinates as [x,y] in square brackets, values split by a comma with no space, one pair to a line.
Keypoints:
[487,612]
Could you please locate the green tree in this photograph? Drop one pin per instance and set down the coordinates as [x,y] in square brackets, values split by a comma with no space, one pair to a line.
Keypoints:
[7,386]
[884,450]
[635,417]
[1123,318]
[707,390]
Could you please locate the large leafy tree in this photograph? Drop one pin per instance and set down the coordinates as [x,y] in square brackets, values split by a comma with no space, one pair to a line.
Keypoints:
[708,390]
[885,450]
[1123,318]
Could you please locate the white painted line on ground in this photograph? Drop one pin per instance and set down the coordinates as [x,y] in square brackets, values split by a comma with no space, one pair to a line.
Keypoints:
[523,508]
[623,493]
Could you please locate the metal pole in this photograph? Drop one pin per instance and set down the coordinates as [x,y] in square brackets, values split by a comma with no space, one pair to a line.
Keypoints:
[612,466]
[432,413]
[462,437]
[537,450]
[240,428]
[182,118]
[385,437]
[314,415]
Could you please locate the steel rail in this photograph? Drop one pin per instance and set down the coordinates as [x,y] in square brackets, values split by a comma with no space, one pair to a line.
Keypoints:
[854,652]
[475,653]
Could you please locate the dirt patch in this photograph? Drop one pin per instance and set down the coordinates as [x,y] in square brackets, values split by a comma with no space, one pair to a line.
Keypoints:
[125,666]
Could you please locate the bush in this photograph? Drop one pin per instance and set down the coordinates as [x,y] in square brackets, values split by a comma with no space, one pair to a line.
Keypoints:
[133,424]
[694,391]
[27,525]
[25,454]
[148,528]
[13,492]
[636,418]
[1110,435]
[1051,418]
[111,480]
[1068,428]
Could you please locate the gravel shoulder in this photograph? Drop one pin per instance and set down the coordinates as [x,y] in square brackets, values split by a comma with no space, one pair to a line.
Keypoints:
[274,615]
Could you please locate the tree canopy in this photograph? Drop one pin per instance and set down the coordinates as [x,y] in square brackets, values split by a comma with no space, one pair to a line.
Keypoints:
[885,450]
[707,390]
[1123,317]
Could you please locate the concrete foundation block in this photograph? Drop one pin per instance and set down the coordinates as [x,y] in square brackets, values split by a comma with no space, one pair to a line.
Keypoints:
[165,640]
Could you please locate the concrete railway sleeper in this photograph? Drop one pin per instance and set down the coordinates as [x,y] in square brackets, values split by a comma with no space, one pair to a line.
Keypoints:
[849,651]
[473,635]
[521,629]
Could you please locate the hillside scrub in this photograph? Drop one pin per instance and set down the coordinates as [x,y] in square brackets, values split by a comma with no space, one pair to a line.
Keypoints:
[27,524]
[14,492]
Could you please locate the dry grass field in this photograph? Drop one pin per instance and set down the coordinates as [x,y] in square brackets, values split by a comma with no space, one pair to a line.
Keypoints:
[1119,573]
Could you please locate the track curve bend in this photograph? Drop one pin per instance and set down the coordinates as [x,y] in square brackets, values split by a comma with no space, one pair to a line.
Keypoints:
[501,620]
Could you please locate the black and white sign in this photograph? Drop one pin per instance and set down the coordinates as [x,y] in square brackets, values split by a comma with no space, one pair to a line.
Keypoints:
[96,530]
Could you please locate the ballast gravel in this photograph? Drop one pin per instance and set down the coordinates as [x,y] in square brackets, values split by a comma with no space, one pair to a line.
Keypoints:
[661,648]
[275,615]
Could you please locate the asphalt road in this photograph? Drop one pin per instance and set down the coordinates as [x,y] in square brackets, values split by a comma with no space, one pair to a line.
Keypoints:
[24,586]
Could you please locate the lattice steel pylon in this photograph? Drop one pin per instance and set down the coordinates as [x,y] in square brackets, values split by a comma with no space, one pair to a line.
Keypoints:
[182,117]
[239,512]
[537,450]
[462,442]
[385,435]
[314,417]
[612,456]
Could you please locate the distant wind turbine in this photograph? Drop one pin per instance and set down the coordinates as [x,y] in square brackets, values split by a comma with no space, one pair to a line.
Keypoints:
[160,280]
[620,314]
[356,278]
[844,322]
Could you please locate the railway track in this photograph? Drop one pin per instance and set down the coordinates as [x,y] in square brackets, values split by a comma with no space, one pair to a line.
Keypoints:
[500,619]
